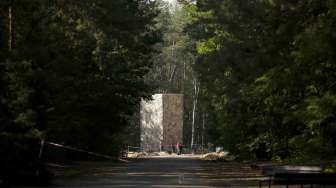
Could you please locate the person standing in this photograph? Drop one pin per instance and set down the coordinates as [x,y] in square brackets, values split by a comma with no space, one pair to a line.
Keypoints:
[178,148]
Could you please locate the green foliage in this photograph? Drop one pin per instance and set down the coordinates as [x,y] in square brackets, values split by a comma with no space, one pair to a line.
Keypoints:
[330,169]
[268,68]
[71,72]
[173,64]
[75,72]
[174,67]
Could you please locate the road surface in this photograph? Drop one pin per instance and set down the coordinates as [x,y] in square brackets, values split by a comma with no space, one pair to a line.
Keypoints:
[158,172]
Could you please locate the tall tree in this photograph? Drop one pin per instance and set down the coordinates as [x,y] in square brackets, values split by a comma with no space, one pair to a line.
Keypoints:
[259,67]
[74,68]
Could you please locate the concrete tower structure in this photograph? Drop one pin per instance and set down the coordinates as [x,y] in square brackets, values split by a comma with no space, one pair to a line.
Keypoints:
[161,122]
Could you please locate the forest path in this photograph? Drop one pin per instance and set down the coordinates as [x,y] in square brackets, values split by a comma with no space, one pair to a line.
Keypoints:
[160,172]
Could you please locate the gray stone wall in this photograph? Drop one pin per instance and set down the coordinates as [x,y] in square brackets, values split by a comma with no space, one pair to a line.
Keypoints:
[161,121]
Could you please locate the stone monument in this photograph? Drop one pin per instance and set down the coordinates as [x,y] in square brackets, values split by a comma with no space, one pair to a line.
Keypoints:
[161,122]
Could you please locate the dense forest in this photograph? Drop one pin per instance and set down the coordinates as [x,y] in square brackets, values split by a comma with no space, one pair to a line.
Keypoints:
[71,72]
[258,76]
[268,75]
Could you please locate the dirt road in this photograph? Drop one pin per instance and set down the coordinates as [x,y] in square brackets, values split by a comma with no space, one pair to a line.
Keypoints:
[159,172]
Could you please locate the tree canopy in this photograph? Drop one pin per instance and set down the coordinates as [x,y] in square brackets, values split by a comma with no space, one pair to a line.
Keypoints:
[267,69]
[72,71]
[259,76]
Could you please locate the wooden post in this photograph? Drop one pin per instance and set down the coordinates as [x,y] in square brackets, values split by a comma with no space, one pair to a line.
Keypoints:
[40,159]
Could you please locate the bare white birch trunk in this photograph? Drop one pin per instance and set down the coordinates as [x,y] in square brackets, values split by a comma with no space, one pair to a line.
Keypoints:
[195,100]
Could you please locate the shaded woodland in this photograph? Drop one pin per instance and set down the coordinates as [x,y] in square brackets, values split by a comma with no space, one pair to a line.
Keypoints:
[71,72]
[267,73]
[258,76]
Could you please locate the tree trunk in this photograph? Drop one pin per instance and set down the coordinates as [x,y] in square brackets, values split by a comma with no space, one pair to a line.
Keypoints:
[10,26]
[184,77]
[203,128]
[172,74]
[195,100]
[193,123]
